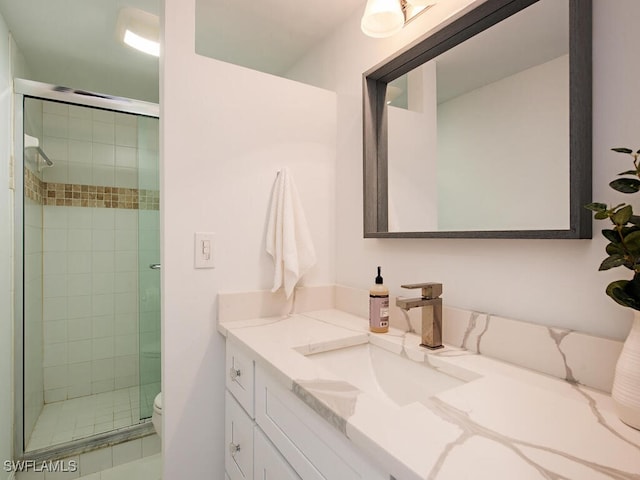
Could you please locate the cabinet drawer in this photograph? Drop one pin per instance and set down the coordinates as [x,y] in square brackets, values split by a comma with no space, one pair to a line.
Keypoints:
[240,376]
[238,435]
[315,450]
[268,464]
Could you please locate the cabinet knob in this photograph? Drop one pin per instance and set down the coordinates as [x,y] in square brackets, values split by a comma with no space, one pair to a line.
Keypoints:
[235,373]
[234,448]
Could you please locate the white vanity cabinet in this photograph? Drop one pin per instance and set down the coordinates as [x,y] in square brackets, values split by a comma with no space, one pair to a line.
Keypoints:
[238,435]
[271,434]
[250,455]
[313,447]
[268,464]
[240,376]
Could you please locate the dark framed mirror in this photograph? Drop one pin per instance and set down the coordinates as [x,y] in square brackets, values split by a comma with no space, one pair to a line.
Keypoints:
[483,129]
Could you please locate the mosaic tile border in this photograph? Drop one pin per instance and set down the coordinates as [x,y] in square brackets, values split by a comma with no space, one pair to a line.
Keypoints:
[75,195]
[33,186]
[64,194]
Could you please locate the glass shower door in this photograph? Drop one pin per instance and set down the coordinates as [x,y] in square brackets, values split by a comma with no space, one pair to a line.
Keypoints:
[149,262]
[87,316]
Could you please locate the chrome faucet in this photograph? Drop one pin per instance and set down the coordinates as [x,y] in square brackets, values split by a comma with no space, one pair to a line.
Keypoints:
[432,317]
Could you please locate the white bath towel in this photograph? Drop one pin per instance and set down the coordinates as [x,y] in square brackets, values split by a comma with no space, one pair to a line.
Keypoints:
[288,237]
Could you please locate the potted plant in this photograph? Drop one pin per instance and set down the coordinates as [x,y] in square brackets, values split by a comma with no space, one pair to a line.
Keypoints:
[623,250]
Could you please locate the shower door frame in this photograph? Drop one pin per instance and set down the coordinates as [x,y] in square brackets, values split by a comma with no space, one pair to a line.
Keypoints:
[42,91]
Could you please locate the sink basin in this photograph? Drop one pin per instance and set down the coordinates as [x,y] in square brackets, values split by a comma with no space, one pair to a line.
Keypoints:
[386,375]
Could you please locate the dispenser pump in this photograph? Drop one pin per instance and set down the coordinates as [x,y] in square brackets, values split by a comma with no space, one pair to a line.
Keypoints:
[379,277]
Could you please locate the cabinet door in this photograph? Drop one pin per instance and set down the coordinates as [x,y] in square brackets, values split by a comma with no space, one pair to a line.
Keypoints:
[309,443]
[238,436]
[268,464]
[240,376]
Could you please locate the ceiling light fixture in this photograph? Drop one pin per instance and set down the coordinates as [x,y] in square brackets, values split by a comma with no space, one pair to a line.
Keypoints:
[140,30]
[383,18]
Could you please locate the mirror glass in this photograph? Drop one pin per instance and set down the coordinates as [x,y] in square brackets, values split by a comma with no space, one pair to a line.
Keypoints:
[478,138]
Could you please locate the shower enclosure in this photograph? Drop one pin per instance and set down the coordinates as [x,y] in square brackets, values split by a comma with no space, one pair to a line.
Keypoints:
[87,256]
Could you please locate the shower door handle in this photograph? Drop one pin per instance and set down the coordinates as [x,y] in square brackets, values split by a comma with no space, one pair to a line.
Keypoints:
[155,266]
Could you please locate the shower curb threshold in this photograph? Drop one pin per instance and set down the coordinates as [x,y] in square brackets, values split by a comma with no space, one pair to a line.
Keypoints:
[95,442]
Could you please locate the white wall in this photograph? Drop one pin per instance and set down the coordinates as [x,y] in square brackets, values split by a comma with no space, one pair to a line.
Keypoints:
[226,130]
[413,191]
[6,210]
[553,282]
[497,143]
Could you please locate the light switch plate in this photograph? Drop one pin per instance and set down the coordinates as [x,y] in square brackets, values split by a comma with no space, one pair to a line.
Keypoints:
[204,249]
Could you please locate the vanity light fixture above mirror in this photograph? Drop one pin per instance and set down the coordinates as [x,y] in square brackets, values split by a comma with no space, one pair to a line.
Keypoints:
[384,18]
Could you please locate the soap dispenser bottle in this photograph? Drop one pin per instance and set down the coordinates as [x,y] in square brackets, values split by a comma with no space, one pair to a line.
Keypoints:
[379,306]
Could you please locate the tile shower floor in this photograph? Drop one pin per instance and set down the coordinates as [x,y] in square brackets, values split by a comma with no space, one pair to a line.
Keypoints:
[81,417]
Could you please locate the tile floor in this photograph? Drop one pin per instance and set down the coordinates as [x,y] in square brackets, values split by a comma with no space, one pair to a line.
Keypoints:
[94,463]
[147,468]
[81,417]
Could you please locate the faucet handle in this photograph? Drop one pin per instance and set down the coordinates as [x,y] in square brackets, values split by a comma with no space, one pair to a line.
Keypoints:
[429,290]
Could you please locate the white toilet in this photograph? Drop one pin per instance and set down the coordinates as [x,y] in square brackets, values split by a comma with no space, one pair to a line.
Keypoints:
[156,418]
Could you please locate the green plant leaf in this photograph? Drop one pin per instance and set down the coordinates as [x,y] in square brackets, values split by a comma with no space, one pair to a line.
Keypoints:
[626,292]
[622,216]
[617,291]
[614,249]
[611,235]
[628,230]
[632,242]
[633,287]
[596,207]
[612,261]
[601,215]
[635,219]
[626,185]
[629,172]
[622,150]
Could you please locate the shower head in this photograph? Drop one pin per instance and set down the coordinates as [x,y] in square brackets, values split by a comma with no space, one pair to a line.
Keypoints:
[34,144]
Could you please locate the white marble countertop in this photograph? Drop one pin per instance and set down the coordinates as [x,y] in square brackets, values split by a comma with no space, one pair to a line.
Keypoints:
[505,423]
